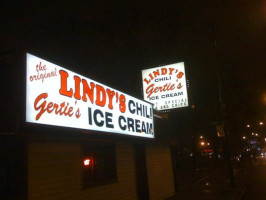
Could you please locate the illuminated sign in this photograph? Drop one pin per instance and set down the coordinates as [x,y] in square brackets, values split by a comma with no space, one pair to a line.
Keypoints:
[57,96]
[165,86]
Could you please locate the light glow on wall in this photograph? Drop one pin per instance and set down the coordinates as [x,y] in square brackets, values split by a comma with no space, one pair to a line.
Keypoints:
[60,97]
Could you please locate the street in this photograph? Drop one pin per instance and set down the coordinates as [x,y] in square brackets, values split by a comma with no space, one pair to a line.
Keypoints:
[213,182]
[209,182]
[254,178]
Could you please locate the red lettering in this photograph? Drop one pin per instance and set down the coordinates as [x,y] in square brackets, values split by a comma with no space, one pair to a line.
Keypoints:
[88,91]
[171,70]
[122,105]
[77,87]
[172,87]
[163,71]
[56,106]
[167,87]
[149,90]
[180,75]
[40,67]
[50,107]
[159,72]
[63,89]
[70,112]
[100,96]
[110,94]
[179,86]
[64,110]
[156,73]
[147,81]
[40,107]
[60,110]
[151,76]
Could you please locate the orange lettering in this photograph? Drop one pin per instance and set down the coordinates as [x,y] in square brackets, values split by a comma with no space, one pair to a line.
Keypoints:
[63,89]
[164,71]
[156,73]
[110,94]
[63,110]
[147,81]
[122,105]
[167,87]
[180,75]
[88,90]
[171,70]
[77,87]
[100,96]
[40,107]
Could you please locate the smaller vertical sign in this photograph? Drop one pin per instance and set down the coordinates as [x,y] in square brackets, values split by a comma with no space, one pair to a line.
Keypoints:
[165,86]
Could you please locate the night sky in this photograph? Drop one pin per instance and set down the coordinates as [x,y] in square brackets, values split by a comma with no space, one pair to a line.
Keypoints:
[111,42]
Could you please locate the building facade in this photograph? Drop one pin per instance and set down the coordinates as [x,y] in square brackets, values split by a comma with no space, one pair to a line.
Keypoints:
[42,161]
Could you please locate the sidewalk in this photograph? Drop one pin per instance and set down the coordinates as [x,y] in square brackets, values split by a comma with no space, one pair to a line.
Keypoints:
[209,192]
[207,184]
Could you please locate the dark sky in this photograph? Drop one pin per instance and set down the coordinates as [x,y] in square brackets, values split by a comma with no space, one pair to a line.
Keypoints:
[111,41]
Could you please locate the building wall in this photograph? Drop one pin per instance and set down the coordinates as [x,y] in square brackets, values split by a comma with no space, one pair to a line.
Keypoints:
[160,172]
[54,172]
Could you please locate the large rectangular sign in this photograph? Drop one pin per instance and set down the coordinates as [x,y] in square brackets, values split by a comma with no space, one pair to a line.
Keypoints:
[57,96]
[165,86]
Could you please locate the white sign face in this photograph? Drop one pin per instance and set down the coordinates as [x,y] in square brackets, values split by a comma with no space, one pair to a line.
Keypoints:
[165,86]
[57,96]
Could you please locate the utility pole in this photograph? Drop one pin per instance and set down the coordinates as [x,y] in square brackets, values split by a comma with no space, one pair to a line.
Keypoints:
[226,131]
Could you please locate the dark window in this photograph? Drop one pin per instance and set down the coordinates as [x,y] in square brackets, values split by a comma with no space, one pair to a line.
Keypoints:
[98,163]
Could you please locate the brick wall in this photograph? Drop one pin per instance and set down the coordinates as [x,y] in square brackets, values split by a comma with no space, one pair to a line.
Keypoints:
[54,172]
[160,172]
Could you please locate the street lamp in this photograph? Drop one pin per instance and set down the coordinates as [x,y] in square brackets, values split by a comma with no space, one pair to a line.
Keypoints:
[244,137]
[261,123]
[248,125]
[202,143]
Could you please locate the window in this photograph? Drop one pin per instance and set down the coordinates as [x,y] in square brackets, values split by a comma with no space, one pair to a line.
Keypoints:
[98,163]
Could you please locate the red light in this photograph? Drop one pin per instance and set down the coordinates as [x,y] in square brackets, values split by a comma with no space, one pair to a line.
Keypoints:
[87,162]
